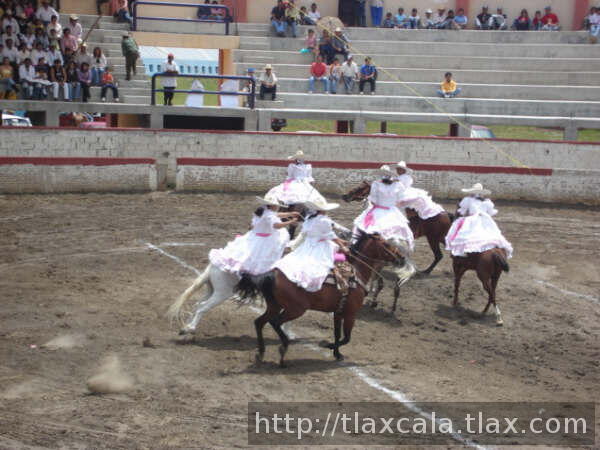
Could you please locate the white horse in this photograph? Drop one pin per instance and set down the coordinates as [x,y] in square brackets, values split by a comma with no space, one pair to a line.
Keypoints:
[220,287]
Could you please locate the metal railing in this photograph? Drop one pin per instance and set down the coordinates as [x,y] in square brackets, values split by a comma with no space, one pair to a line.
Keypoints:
[137,3]
[251,95]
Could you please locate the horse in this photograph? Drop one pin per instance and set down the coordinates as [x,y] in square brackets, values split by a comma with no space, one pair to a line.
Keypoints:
[296,207]
[489,265]
[286,301]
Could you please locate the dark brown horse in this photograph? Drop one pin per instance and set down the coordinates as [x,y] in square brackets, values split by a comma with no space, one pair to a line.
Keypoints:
[286,301]
[489,266]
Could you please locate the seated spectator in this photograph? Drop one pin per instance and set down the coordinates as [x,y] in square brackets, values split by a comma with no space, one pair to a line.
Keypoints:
[9,34]
[461,20]
[448,23]
[28,38]
[388,22]
[204,11]
[38,52]
[550,20]
[10,52]
[314,13]
[41,82]
[75,27]
[68,56]
[45,12]
[7,84]
[122,13]
[84,76]
[536,23]
[56,26]
[326,50]
[54,55]
[109,82]
[58,78]
[318,72]
[73,80]
[594,20]
[303,17]
[586,20]
[26,77]
[440,17]
[53,40]
[41,37]
[368,74]
[23,54]
[349,74]
[523,22]
[428,22]
[498,20]
[278,19]
[69,41]
[292,17]
[310,43]
[83,56]
[400,19]
[335,75]
[268,83]
[449,88]
[98,65]
[414,21]
[339,42]
[482,21]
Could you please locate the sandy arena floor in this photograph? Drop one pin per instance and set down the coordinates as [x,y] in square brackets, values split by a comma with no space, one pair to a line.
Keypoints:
[77,270]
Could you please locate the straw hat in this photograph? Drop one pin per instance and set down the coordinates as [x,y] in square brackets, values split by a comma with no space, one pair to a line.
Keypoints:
[267,201]
[477,188]
[402,165]
[268,66]
[74,17]
[319,205]
[385,170]
[298,155]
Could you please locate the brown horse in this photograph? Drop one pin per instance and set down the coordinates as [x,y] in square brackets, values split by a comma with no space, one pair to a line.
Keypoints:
[286,301]
[489,266]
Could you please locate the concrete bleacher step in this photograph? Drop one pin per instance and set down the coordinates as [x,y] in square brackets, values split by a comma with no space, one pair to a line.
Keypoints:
[255,43]
[259,59]
[278,103]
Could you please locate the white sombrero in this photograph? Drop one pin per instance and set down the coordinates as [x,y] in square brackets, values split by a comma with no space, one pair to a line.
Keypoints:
[385,170]
[268,201]
[477,189]
[298,155]
[402,165]
[268,66]
[321,206]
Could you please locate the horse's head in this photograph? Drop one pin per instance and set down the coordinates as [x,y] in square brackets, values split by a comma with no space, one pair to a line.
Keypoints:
[359,193]
[377,249]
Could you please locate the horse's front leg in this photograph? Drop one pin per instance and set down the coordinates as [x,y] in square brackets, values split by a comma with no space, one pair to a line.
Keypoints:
[378,288]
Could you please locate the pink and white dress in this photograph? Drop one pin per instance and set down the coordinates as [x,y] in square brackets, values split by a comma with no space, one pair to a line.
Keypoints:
[476,231]
[256,251]
[417,199]
[297,188]
[311,262]
[383,216]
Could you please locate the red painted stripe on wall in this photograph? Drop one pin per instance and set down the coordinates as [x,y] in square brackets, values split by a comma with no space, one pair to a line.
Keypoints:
[74,161]
[213,162]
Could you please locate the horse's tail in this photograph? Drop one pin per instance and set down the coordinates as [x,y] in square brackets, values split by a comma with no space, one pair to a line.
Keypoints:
[175,308]
[252,285]
[500,260]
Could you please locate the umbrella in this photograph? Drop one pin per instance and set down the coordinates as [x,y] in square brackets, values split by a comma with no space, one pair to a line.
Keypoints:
[330,23]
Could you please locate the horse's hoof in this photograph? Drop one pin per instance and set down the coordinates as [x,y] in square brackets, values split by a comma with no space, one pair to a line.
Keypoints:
[258,358]
[339,357]
[326,344]
[499,323]
[185,330]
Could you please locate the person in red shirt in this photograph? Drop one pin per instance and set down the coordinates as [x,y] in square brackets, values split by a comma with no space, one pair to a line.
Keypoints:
[109,82]
[550,20]
[318,72]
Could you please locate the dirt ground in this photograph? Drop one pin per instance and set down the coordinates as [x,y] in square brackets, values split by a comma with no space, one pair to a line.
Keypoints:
[76,270]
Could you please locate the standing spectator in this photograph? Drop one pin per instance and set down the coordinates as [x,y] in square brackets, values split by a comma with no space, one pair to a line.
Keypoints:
[389,21]
[131,53]
[26,77]
[360,13]
[169,83]
[75,27]
[594,20]
[69,41]
[429,23]
[318,72]
[339,42]
[523,22]
[7,84]
[45,12]
[41,81]
[376,12]
[346,12]
[498,20]
[536,23]
[550,20]
[335,75]
[278,21]
[461,20]
[314,13]
[400,18]
[58,78]
[54,55]
[73,80]
[56,26]
[368,74]
[414,21]
[84,76]
[482,21]
[98,66]
[109,82]
[449,88]
[83,56]
[349,74]
[268,83]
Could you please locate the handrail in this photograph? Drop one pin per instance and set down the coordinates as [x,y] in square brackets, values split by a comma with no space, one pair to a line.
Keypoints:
[135,18]
[251,95]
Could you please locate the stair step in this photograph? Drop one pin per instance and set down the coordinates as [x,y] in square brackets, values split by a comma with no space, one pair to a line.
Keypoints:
[269,103]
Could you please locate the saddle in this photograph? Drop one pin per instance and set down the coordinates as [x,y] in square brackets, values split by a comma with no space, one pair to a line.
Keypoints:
[343,276]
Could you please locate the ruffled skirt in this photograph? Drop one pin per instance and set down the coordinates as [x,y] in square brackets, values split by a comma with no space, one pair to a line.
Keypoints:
[475,234]
[291,192]
[389,223]
[420,201]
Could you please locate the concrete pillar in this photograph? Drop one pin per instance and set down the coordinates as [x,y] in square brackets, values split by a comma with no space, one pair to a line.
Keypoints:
[264,120]
[464,131]
[251,121]
[581,8]
[360,126]
[157,120]
[571,132]
[52,117]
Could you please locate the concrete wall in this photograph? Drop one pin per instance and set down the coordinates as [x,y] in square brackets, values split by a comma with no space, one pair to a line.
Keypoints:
[560,171]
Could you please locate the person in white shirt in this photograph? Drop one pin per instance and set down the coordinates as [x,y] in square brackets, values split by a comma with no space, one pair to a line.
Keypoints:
[37,53]
[9,20]
[440,16]
[56,26]
[314,13]
[75,26]
[26,76]
[594,20]
[10,52]
[170,83]
[24,53]
[52,55]
[268,83]
[28,38]
[297,187]
[349,74]
[498,20]
[45,12]
[10,34]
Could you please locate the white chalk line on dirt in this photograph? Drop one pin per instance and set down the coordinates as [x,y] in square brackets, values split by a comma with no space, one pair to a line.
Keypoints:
[367,379]
[567,292]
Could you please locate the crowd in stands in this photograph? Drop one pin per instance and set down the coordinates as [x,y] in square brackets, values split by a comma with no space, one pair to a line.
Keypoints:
[211,10]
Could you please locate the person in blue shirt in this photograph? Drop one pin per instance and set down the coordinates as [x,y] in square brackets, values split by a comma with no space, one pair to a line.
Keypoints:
[401,18]
[389,21]
[368,74]
[413,21]
[460,19]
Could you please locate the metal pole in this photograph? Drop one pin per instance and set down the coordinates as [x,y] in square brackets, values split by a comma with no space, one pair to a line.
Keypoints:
[153,95]
[252,93]
[134,21]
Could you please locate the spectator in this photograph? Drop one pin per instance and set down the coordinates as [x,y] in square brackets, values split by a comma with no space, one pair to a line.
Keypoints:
[204,11]
[326,50]
[42,37]
[536,23]
[58,78]
[314,13]
[461,20]
[69,41]
[99,3]
[53,40]
[414,21]
[73,80]
[169,83]
[7,84]
[109,82]
[376,12]
[268,83]
[9,34]
[246,87]
[498,20]
[346,12]
[440,17]
[68,56]
[122,13]
[98,66]
[429,23]
[75,27]
[83,56]
[349,74]
[26,77]
[389,21]
[448,23]
[339,42]
[318,72]
[594,20]
[278,19]
[311,43]
[586,20]
[10,52]
[84,76]
[23,54]
[368,74]
[304,19]
[41,81]
[449,88]
[400,19]
[482,22]
[131,53]
[523,22]
[335,75]
[38,52]
[550,20]
[28,38]
[56,26]
[54,55]
[45,12]
[292,17]
[360,13]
